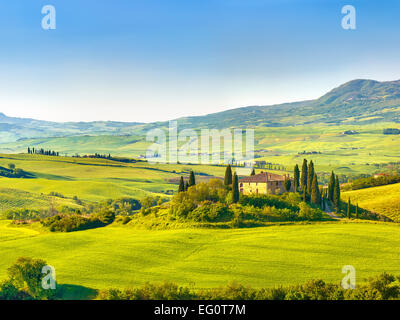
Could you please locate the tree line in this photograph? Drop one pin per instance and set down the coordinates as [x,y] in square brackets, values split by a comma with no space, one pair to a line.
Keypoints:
[231,182]
[43,152]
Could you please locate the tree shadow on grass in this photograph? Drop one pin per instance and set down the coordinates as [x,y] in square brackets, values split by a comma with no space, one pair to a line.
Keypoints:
[75,292]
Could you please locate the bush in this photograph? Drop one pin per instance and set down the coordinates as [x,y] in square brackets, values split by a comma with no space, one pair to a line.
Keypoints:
[381,287]
[25,276]
[208,211]
[308,213]
[70,223]
[279,202]
[165,291]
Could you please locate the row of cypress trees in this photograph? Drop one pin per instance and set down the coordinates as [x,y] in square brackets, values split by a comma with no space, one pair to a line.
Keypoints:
[334,190]
[307,182]
[230,181]
[183,186]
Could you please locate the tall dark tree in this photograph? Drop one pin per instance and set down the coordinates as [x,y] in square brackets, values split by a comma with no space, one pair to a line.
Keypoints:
[310,177]
[186,185]
[253,172]
[303,180]
[348,209]
[336,193]
[331,186]
[315,194]
[181,187]
[357,211]
[296,178]
[287,184]
[228,175]
[235,189]
[192,180]
[29,150]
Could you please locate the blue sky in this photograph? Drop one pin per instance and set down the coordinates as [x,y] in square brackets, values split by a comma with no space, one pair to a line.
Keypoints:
[148,60]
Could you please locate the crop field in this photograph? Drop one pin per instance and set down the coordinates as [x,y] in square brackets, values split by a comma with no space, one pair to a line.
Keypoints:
[120,256]
[345,153]
[384,200]
[88,179]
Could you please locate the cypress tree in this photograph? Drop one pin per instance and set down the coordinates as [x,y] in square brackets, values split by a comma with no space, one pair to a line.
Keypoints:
[287,184]
[303,180]
[235,189]
[348,209]
[228,176]
[310,177]
[336,193]
[253,172]
[181,187]
[357,211]
[296,178]
[192,180]
[186,185]
[315,195]
[331,186]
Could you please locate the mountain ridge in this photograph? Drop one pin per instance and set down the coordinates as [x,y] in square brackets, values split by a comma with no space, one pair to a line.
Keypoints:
[356,101]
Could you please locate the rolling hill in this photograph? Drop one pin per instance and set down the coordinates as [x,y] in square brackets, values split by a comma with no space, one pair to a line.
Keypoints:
[355,102]
[120,256]
[384,200]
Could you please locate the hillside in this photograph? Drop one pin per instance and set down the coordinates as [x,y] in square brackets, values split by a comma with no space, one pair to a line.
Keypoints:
[13,129]
[384,200]
[88,179]
[355,102]
[207,258]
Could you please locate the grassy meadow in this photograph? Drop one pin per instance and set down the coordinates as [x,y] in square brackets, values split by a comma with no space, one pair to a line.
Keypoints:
[120,256]
[383,199]
[349,154]
[88,179]
[126,255]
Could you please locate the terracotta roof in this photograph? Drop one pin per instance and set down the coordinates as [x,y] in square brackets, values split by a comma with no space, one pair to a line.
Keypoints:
[262,177]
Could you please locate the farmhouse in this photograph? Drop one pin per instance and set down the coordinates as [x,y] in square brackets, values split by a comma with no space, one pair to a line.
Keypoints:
[264,183]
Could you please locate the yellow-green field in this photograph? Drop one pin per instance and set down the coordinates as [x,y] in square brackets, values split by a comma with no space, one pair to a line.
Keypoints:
[344,153]
[384,200]
[88,179]
[120,256]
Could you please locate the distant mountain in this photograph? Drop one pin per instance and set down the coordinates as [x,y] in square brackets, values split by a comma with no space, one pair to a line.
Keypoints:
[13,129]
[355,102]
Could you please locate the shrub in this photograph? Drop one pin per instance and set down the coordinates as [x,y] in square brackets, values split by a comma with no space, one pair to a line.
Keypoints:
[26,275]
[210,212]
[68,223]
[308,213]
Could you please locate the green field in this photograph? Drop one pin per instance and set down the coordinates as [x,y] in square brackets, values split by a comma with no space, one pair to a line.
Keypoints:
[346,154]
[117,256]
[89,179]
[383,200]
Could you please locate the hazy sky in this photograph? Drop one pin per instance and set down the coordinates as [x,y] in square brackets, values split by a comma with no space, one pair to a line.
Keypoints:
[147,60]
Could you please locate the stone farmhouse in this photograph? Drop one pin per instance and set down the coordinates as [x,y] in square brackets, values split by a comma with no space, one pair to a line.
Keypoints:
[264,183]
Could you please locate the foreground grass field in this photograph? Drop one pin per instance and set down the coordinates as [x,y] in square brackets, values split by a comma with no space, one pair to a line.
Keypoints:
[117,256]
[383,200]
